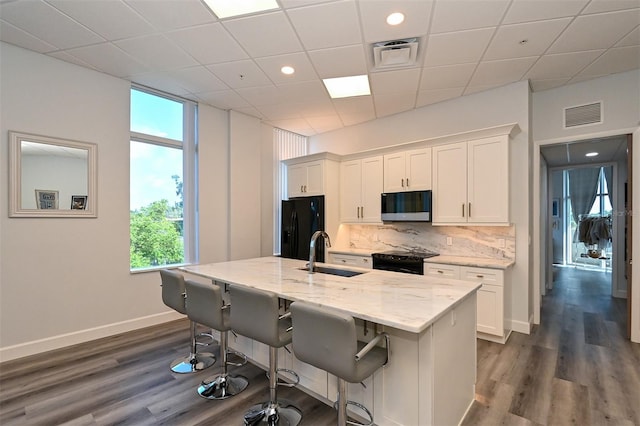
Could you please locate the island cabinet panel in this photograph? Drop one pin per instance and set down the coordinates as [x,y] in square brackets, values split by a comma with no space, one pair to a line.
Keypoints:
[471,182]
[311,378]
[360,189]
[407,170]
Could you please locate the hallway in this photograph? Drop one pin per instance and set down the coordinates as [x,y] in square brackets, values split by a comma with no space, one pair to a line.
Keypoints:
[577,367]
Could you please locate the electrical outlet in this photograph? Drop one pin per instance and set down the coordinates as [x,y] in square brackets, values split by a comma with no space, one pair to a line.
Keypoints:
[449,241]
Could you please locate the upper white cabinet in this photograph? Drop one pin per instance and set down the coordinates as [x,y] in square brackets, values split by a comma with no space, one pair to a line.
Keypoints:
[471,182]
[360,189]
[407,170]
[305,179]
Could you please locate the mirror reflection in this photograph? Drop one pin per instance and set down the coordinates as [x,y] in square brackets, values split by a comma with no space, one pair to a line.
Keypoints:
[51,177]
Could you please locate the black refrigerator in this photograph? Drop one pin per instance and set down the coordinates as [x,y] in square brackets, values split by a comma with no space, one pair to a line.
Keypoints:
[301,217]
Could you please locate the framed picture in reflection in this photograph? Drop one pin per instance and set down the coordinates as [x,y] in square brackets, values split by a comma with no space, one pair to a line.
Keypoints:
[78,202]
[46,199]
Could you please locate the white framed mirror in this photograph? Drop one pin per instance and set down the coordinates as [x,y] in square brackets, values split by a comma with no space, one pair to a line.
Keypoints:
[51,177]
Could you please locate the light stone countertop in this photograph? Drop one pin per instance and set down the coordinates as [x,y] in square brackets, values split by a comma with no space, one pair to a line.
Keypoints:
[403,301]
[478,262]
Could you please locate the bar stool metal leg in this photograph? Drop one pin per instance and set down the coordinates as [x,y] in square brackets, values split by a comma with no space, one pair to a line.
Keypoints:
[223,386]
[195,361]
[275,411]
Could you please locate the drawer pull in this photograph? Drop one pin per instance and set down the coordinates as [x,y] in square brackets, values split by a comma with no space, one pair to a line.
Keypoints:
[479,276]
[343,260]
[440,272]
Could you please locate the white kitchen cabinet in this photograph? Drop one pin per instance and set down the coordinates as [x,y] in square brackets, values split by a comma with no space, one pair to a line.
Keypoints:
[311,378]
[471,182]
[407,170]
[305,179]
[360,189]
[360,261]
[492,301]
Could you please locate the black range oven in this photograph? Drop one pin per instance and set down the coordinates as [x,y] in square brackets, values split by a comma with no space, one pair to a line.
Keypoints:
[410,262]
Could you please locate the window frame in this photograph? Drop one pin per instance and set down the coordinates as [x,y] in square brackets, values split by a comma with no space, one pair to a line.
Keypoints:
[189,147]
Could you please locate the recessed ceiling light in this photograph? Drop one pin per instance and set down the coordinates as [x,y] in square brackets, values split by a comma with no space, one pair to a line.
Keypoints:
[591,154]
[229,8]
[396,18]
[344,87]
[287,70]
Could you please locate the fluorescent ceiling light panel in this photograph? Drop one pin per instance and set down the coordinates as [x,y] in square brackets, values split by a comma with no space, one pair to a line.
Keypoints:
[345,87]
[229,8]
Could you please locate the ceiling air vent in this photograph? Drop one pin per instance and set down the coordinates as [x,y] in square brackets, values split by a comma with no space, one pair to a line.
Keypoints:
[582,115]
[395,53]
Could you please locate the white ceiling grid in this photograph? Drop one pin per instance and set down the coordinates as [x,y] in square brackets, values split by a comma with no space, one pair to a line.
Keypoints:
[466,46]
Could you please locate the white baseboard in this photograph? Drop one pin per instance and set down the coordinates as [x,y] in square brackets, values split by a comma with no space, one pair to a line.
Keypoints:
[522,326]
[56,342]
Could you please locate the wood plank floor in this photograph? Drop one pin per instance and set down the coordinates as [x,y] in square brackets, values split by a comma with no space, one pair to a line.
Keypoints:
[576,368]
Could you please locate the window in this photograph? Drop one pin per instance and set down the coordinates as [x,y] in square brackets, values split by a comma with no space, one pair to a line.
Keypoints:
[286,145]
[162,180]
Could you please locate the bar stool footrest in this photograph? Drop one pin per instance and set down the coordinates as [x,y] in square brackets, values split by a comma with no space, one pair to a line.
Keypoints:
[360,406]
[193,363]
[287,384]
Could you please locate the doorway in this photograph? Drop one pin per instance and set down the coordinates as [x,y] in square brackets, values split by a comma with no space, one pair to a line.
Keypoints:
[584,190]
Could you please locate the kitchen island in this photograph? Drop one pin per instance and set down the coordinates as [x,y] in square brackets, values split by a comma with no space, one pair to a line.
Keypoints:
[430,377]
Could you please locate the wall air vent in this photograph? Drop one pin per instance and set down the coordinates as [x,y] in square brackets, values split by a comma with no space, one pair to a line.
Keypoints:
[583,115]
[395,53]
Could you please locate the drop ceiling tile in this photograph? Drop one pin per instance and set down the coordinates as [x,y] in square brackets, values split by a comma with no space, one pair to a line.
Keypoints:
[400,82]
[618,59]
[208,44]
[279,111]
[393,103]
[352,118]
[358,104]
[339,61]
[298,3]
[224,99]
[18,37]
[109,59]
[536,10]
[598,6]
[297,125]
[261,95]
[562,65]
[324,124]
[538,85]
[101,16]
[48,24]
[509,40]
[316,107]
[303,69]
[64,56]
[498,73]
[374,14]
[268,34]
[447,77]
[239,74]
[433,96]
[307,91]
[631,39]
[251,111]
[458,47]
[611,27]
[156,51]
[198,79]
[456,15]
[170,15]
[310,23]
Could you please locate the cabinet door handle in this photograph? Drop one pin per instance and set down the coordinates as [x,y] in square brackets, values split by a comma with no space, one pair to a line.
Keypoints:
[462,209]
[362,212]
[402,182]
[358,212]
[469,209]
[407,182]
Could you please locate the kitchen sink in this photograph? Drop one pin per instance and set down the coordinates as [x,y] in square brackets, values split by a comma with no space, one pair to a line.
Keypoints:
[334,271]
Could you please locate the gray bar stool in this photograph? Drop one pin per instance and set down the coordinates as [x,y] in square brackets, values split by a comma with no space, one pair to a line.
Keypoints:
[256,315]
[174,295]
[327,339]
[205,306]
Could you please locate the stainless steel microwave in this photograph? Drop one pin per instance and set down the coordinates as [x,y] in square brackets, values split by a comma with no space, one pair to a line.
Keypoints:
[413,206]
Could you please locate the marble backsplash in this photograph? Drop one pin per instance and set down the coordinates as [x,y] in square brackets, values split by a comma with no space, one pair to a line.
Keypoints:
[496,242]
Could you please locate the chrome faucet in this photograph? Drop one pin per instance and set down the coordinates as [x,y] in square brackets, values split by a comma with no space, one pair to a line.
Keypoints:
[312,247]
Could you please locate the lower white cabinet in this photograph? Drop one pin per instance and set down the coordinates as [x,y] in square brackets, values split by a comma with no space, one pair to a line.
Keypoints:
[491,322]
[360,261]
